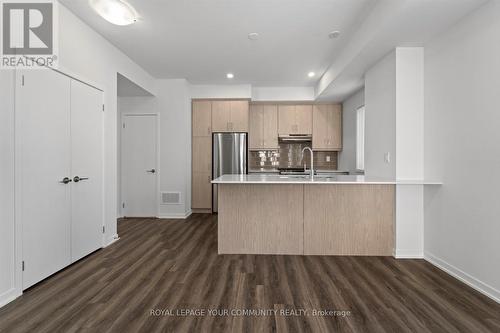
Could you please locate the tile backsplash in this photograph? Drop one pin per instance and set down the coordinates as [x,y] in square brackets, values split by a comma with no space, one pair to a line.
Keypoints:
[289,156]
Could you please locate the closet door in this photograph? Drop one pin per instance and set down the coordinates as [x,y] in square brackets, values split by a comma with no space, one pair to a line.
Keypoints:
[86,170]
[43,150]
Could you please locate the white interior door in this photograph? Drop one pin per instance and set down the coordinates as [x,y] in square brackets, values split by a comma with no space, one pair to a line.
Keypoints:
[86,169]
[43,153]
[139,169]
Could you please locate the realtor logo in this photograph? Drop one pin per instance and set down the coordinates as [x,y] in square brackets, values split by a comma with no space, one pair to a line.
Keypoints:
[28,33]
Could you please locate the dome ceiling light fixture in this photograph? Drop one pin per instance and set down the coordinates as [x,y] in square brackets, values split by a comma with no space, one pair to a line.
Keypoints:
[117,12]
[253,36]
[334,34]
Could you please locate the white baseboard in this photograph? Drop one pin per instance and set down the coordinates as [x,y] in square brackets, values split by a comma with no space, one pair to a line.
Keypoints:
[408,254]
[179,216]
[9,296]
[469,280]
[113,239]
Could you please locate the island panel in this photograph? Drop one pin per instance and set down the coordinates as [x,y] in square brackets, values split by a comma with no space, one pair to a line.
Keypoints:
[261,219]
[349,220]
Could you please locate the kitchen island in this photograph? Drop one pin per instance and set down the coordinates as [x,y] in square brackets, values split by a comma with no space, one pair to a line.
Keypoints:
[296,215]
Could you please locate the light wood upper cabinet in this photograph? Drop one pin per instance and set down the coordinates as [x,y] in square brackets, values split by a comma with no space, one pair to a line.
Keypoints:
[230,116]
[263,127]
[286,119]
[295,119]
[256,127]
[239,116]
[327,127]
[221,115]
[202,118]
[303,118]
[270,125]
[335,128]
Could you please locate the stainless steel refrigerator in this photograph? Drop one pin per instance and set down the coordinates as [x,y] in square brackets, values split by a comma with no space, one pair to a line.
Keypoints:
[229,156]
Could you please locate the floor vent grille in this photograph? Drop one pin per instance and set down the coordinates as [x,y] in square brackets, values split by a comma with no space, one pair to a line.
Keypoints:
[170,198]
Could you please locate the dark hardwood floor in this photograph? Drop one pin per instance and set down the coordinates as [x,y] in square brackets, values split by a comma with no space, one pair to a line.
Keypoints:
[172,265]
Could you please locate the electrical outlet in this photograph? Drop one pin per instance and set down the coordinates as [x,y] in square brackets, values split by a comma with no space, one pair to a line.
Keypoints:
[328,159]
[387,157]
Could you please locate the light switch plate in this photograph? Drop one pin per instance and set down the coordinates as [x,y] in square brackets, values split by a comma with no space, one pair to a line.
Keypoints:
[328,159]
[387,157]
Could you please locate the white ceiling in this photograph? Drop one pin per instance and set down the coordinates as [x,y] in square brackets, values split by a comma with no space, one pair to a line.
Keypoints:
[202,40]
[128,88]
[391,23]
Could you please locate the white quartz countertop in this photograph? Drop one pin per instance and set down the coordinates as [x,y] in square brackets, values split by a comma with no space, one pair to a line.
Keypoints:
[318,179]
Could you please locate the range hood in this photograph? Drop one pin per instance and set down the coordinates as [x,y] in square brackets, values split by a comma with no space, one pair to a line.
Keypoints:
[295,138]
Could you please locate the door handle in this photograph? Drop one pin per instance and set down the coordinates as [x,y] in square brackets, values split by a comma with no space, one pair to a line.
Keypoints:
[151,171]
[65,180]
[78,179]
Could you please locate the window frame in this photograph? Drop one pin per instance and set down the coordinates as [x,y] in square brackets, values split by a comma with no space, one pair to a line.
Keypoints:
[360,138]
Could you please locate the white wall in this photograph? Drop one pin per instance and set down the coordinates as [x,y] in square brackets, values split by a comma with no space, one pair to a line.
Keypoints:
[7,226]
[283,94]
[462,147]
[409,113]
[246,91]
[380,118]
[174,104]
[394,101]
[84,53]
[347,157]
[221,91]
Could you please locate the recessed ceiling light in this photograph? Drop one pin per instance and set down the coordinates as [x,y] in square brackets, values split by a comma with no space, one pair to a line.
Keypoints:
[253,36]
[115,11]
[311,74]
[334,34]
[229,75]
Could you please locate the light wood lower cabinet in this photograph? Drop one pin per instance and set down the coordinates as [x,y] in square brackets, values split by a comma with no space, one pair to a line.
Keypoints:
[260,219]
[202,154]
[201,190]
[349,220]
